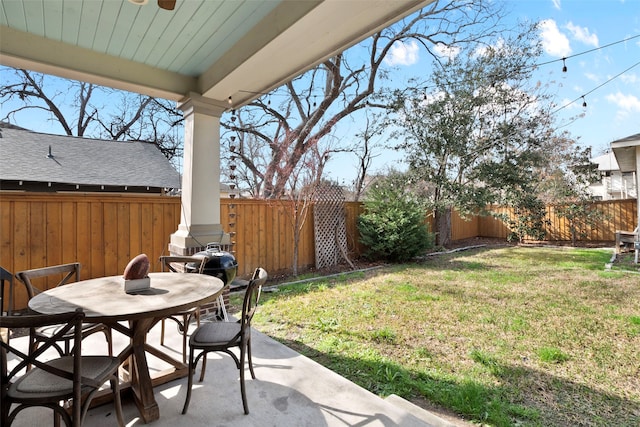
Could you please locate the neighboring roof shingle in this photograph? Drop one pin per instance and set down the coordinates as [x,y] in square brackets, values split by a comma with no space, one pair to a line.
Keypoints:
[635,137]
[24,156]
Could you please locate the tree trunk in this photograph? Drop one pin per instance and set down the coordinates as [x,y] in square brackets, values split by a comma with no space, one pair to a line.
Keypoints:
[443,226]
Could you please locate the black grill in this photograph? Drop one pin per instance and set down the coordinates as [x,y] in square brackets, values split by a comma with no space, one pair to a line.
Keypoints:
[221,264]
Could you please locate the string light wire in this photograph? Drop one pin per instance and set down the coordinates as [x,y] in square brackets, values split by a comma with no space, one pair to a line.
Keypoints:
[588,51]
[596,88]
[563,59]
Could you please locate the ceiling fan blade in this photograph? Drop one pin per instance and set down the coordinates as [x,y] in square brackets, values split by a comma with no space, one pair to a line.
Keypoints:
[167,4]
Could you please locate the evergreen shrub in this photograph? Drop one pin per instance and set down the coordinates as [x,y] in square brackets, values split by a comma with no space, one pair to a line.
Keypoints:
[393,226]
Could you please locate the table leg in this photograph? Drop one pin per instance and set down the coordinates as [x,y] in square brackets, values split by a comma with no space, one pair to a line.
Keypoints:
[141,379]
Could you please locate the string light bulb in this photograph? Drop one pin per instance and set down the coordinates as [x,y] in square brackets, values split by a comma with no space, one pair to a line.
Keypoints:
[230,100]
[584,102]
[564,65]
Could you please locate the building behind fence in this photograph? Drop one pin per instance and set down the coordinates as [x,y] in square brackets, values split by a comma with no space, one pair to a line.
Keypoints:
[104,231]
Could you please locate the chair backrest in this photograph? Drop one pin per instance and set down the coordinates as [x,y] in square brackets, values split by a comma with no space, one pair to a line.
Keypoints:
[65,322]
[60,274]
[252,296]
[6,276]
[183,264]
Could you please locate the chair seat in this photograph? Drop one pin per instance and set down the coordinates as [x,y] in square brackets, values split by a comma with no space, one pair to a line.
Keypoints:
[224,336]
[37,382]
[215,333]
[53,383]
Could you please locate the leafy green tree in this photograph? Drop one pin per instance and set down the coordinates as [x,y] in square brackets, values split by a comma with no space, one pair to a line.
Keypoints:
[514,180]
[568,189]
[478,132]
[393,225]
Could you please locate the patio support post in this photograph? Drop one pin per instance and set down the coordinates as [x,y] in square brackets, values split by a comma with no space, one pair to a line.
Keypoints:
[200,212]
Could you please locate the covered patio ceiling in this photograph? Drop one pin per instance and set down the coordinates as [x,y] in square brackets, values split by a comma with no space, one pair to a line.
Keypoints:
[217,49]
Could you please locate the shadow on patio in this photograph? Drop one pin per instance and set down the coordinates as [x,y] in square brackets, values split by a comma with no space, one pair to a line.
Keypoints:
[290,389]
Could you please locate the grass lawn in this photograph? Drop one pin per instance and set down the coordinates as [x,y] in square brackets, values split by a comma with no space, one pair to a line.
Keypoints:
[511,336]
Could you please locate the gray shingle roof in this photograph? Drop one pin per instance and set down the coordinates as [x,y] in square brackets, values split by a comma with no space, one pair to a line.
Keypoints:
[635,137]
[24,156]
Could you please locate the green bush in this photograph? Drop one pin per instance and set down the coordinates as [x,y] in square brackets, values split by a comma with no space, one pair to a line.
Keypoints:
[392,226]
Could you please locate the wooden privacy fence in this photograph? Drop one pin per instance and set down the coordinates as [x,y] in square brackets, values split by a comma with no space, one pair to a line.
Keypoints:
[616,214]
[103,231]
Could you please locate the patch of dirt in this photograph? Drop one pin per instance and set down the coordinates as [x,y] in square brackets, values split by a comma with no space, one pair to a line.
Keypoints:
[475,241]
[286,276]
[493,242]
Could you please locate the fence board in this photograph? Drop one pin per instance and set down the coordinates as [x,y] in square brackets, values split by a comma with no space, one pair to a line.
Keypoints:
[110,251]
[83,240]
[20,239]
[69,230]
[96,267]
[53,232]
[124,230]
[135,230]
[462,228]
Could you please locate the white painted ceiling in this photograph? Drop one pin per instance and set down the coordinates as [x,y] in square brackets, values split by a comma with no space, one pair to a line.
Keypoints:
[215,48]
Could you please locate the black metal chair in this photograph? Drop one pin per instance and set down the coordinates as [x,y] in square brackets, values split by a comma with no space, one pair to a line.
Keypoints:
[223,336]
[185,264]
[55,383]
[61,275]
[5,276]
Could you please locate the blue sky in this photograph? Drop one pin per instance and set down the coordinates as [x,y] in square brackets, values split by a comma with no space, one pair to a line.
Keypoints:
[579,30]
[570,29]
[608,76]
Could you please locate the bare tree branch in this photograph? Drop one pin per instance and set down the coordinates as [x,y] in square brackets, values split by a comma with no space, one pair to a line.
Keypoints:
[347,84]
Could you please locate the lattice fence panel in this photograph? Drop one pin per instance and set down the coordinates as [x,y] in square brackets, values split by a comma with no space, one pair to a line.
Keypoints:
[329,226]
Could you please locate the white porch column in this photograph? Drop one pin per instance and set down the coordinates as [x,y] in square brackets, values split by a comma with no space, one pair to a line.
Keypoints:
[200,213]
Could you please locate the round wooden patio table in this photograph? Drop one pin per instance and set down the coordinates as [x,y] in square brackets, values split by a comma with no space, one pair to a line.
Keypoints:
[105,301]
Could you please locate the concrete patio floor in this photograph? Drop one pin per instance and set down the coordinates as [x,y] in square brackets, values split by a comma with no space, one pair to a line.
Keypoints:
[289,390]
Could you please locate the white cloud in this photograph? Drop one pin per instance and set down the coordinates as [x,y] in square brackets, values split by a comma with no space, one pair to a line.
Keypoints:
[630,78]
[554,42]
[445,51]
[626,103]
[403,53]
[556,4]
[592,77]
[582,34]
